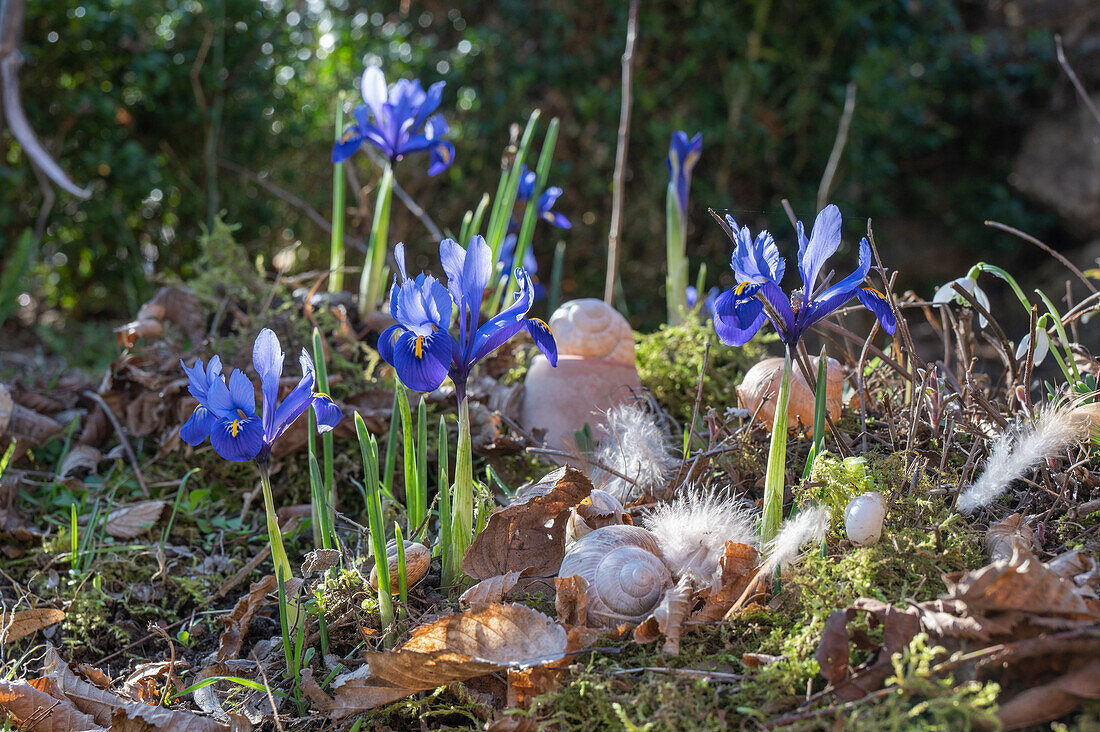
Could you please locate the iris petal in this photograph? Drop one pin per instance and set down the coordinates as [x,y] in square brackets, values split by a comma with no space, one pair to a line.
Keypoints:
[196,429]
[877,304]
[267,359]
[737,319]
[505,324]
[296,401]
[238,440]
[422,362]
[823,243]
[328,414]
[543,337]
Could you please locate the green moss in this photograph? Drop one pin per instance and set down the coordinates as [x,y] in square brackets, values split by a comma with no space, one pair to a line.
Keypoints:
[670,359]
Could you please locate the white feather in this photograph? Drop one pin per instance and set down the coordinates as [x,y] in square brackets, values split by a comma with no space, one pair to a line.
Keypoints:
[808,526]
[1017,452]
[693,529]
[636,447]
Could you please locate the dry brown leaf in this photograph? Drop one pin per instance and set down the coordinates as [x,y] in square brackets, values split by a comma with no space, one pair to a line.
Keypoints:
[1050,701]
[141,685]
[492,591]
[111,710]
[176,305]
[28,706]
[1027,586]
[238,621]
[571,602]
[80,461]
[453,648]
[129,522]
[898,628]
[738,565]
[320,560]
[1007,537]
[22,623]
[758,660]
[529,532]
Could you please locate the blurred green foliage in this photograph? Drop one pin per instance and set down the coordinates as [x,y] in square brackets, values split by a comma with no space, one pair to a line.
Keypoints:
[146,98]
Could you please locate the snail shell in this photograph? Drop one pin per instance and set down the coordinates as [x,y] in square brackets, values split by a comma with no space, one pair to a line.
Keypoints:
[591,328]
[417,560]
[598,510]
[625,571]
[863,518]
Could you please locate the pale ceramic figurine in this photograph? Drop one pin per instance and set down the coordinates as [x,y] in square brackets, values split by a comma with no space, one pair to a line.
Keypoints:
[595,372]
[761,383]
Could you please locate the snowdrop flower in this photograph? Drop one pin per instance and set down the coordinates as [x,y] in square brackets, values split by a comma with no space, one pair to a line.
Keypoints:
[947,293]
[1042,347]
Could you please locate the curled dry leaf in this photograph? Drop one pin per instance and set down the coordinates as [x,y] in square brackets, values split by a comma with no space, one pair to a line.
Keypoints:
[132,521]
[22,623]
[80,461]
[1007,537]
[454,648]
[1081,567]
[1027,586]
[1056,699]
[112,711]
[669,616]
[492,591]
[29,707]
[529,532]
[320,560]
[738,566]
[238,621]
[571,601]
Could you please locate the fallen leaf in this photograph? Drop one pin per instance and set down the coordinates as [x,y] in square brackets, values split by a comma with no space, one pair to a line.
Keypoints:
[758,660]
[1050,701]
[492,591]
[320,560]
[1007,537]
[1026,586]
[738,565]
[129,522]
[29,707]
[239,619]
[571,601]
[529,532]
[80,461]
[453,648]
[22,623]
[141,685]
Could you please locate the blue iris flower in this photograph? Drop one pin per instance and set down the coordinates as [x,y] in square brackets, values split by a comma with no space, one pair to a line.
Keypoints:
[545,208]
[529,264]
[739,313]
[227,413]
[691,294]
[398,120]
[683,154]
[420,347]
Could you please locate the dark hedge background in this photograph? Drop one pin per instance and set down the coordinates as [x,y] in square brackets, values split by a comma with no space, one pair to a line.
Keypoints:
[945,91]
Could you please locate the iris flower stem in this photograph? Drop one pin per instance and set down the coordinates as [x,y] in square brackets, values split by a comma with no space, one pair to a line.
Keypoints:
[462,497]
[370,282]
[676,280]
[336,248]
[775,480]
[278,552]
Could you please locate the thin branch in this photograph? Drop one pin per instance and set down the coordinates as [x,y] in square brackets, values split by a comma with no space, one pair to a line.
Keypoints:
[1046,248]
[11,31]
[620,154]
[402,195]
[838,145]
[293,200]
[1081,91]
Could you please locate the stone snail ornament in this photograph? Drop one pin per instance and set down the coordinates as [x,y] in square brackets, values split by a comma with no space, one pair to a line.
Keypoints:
[417,560]
[590,328]
[863,517]
[625,571]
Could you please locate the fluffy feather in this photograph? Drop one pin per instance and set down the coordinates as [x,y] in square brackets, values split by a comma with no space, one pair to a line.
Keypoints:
[637,447]
[1016,452]
[808,526]
[693,529]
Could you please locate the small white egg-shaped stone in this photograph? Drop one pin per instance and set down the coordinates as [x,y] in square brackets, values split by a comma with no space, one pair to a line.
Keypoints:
[863,518]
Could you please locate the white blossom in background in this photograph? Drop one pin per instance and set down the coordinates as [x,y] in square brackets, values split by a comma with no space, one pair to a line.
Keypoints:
[947,293]
[1042,347]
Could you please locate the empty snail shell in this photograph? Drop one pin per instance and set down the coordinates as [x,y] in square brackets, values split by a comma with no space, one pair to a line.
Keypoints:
[598,510]
[760,388]
[417,560]
[591,328]
[625,571]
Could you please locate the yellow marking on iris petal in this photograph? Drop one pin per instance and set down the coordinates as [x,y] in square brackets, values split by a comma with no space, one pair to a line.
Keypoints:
[543,324]
[419,347]
[242,414]
[349,134]
[445,154]
[741,286]
[235,427]
[871,289]
[323,395]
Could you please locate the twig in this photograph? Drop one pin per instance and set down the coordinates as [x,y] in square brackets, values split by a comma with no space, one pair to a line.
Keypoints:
[790,213]
[838,145]
[157,630]
[698,401]
[1081,91]
[11,31]
[1046,248]
[414,208]
[123,440]
[293,200]
[620,154]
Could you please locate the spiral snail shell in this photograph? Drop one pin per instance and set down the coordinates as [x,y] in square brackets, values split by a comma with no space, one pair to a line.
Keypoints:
[598,510]
[625,571]
[417,560]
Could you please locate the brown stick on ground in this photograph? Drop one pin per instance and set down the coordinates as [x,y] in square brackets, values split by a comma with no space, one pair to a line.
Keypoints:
[620,154]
